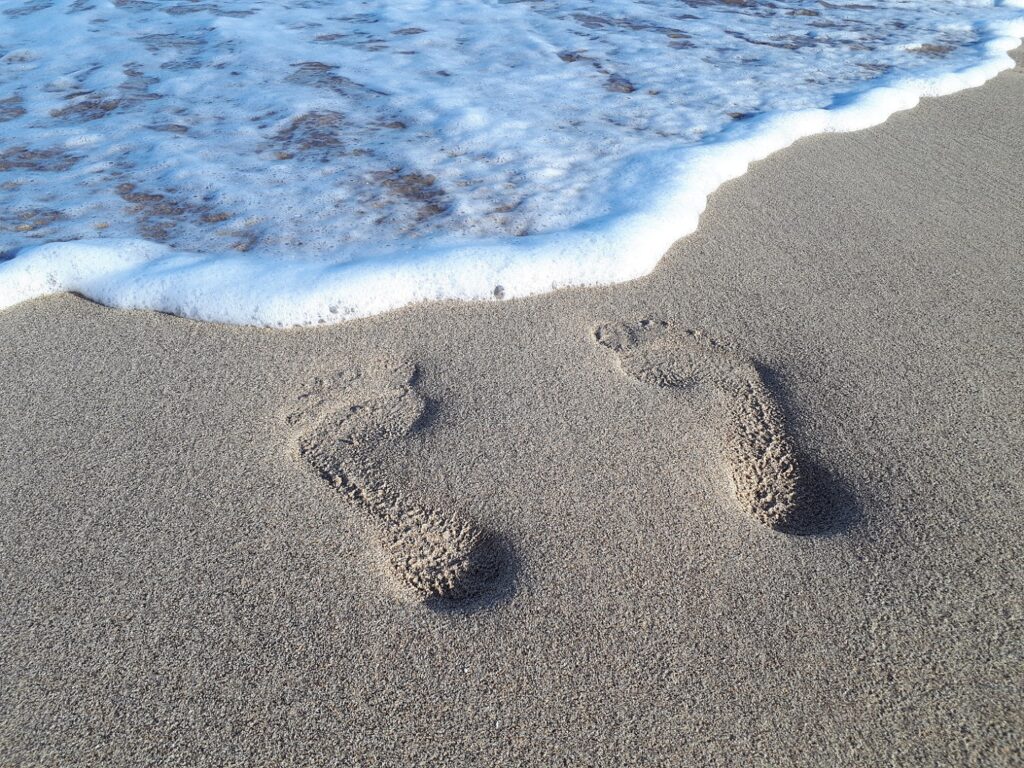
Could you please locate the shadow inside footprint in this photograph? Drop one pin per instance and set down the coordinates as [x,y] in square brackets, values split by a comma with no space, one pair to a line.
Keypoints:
[770,480]
[346,425]
[826,507]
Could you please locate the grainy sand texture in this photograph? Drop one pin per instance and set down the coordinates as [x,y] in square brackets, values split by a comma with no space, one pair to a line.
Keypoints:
[760,508]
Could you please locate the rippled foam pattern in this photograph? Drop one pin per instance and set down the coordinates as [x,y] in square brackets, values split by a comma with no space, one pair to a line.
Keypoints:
[311,160]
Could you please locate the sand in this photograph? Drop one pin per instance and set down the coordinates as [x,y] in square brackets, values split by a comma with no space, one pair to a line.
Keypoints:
[210,558]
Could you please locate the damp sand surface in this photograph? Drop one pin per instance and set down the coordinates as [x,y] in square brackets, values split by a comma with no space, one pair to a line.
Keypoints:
[184,584]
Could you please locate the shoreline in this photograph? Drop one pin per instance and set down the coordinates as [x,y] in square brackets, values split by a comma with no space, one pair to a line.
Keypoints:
[608,250]
[179,587]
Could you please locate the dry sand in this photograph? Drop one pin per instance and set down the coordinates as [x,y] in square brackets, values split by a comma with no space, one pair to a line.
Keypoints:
[181,583]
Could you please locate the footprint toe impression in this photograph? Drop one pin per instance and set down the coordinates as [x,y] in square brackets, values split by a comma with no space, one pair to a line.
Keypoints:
[757,451]
[345,425]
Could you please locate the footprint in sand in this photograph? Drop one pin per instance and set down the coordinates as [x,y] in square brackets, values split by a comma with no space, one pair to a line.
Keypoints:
[344,426]
[766,475]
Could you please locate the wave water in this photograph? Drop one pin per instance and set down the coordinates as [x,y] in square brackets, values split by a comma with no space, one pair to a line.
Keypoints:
[283,162]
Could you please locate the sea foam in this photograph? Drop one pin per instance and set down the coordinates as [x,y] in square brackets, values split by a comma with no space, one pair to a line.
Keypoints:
[282,163]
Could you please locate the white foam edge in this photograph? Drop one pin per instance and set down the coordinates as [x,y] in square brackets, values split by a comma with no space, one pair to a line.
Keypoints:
[669,192]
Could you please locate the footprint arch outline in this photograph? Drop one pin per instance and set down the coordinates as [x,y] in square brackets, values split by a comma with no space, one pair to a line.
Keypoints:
[766,474]
[340,426]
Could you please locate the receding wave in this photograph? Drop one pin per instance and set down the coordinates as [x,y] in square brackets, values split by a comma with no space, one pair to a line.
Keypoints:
[309,161]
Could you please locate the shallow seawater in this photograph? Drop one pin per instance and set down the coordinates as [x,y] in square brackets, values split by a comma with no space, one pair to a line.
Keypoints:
[337,129]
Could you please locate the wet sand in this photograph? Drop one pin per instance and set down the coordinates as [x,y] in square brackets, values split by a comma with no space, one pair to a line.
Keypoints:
[189,578]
